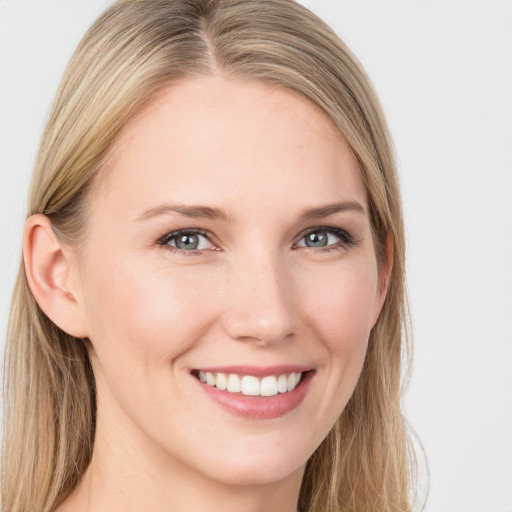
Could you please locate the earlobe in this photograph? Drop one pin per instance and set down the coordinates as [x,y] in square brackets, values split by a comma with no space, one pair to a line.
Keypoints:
[47,267]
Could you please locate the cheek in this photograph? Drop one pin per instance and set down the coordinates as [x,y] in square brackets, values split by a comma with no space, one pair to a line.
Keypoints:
[343,302]
[148,315]
[341,312]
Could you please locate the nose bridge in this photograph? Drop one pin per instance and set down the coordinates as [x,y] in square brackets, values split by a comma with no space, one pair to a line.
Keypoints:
[261,299]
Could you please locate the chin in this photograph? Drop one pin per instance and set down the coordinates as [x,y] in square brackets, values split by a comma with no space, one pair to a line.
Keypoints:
[263,475]
[263,466]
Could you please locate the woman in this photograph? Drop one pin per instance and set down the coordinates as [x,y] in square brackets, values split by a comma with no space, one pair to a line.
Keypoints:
[211,305]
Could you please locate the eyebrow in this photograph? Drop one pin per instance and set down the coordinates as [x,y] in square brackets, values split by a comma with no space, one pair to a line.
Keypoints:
[194,212]
[330,209]
[207,212]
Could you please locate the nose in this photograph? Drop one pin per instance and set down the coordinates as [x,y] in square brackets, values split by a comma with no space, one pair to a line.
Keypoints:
[260,302]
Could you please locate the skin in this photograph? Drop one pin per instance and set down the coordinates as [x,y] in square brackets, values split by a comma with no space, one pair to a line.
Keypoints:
[253,293]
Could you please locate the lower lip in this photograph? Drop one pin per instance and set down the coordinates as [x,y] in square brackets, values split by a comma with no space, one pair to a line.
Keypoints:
[259,407]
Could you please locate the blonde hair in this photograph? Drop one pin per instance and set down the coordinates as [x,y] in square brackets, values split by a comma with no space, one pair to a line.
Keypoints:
[134,50]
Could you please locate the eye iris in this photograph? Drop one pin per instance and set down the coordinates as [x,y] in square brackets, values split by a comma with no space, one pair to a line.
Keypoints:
[187,242]
[316,239]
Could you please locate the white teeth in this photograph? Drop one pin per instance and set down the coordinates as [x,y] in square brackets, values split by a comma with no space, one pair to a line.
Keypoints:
[221,381]
[234,384]
[268,386]
[250,385]
[293,380]
[282,384]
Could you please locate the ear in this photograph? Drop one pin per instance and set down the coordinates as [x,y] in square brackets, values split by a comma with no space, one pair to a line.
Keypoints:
[47,267]
[384,269]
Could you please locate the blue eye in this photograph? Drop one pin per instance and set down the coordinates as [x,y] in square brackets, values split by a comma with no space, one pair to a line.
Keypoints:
[324,237]
[187,240]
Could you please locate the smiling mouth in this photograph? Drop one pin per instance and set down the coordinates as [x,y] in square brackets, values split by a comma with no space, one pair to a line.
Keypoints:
[250,385]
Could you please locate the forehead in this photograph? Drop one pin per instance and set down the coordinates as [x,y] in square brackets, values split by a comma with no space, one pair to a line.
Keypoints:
[227,139]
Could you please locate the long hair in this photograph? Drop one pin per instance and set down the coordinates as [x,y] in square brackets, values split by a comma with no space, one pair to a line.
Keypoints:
[132,52]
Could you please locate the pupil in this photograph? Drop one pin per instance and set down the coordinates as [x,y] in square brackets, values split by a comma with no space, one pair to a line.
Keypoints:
[318,239]
[187,242]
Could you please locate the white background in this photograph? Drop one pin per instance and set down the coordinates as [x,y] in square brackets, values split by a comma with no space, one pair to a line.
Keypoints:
[443,69]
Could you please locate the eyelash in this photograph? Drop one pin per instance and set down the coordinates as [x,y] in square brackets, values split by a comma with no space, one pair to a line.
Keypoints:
[346,239]
[164,241]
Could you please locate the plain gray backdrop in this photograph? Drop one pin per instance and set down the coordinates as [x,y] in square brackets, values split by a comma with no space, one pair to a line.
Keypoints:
[443,70]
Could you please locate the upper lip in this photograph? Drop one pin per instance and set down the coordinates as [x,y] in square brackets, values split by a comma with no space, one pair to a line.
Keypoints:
[257,371]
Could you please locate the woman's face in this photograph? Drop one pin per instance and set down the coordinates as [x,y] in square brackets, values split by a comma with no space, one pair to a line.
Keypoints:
[228,239]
